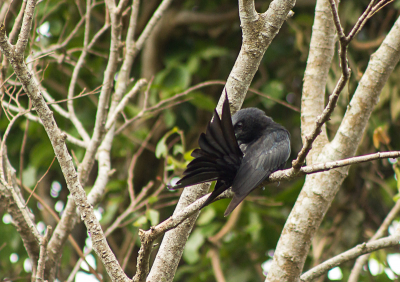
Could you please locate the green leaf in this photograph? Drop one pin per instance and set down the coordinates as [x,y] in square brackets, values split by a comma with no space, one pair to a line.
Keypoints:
[193,64]
[206,216]
[178,149]
[140,221]
[188,156]
[274,89]
[110,210]
[213,52]
[152,199]
[29,176]
[191,253]
[161,149]
[202,101]
[254,227]
[169,118]
[173,79]
[153,216]
[174,163]
[114,186]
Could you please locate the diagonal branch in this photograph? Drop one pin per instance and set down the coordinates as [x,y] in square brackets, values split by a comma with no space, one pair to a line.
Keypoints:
[21,219]
[71,89]
[43,249]
[124,102]
[363,248]
[57,140]
[319,190]
[360,262]
[150,26]
[344,41]
[148,237]
[258,33]
[23,36]
[16,207]
[101,115]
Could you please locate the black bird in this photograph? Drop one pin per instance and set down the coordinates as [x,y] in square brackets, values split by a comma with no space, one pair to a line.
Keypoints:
[239,152]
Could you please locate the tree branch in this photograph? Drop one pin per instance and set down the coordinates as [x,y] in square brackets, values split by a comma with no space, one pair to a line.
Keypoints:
[124,102]
[148,237]
[257,35]
[319,190]
[344,42]
[360,262]
[25,29]
[42,256]
[150,26]
[316,75]
[71,89]
[58,143]
[22,220]
[101,115]
[363,248]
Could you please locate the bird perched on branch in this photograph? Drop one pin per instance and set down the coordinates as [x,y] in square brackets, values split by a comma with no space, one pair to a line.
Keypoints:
[238,152]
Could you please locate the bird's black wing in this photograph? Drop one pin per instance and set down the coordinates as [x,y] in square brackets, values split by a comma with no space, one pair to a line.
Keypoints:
[218,158]
[266,155]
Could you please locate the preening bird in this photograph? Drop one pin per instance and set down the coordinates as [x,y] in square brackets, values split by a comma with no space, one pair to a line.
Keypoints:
[238,152]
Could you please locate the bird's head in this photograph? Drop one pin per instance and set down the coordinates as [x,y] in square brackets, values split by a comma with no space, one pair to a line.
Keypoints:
[249,124]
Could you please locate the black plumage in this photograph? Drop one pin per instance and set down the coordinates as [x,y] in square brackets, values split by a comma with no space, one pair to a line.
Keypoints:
[238,152]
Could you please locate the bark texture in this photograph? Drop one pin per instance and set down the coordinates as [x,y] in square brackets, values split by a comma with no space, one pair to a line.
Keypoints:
[320,189]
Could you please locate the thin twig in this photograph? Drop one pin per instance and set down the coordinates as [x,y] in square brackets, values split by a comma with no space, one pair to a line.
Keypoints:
[150,26]
[363,248]
[8,129]
[37,183]
[17,24]
[71,89]
[22,152]
[216,264]
[148,237]
[42,254]
[128,253]
[102,107]
[360,262]
[58,143]
[23,37]
[327,112]
[57,219]
[319,167]
[132,207]
[215,239]
[135,158]
[124,102]
[46,94]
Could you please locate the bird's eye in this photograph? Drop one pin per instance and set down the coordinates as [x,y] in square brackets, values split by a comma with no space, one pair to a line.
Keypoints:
[239,125]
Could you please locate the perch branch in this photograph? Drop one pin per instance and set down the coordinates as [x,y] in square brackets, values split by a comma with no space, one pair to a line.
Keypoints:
[147,237]
[363,248]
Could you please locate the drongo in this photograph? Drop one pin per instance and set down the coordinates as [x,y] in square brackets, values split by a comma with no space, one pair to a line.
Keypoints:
[238,152]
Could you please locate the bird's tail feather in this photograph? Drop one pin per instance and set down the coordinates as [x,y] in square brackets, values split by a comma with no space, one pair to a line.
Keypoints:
[236,200]
[219,188]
